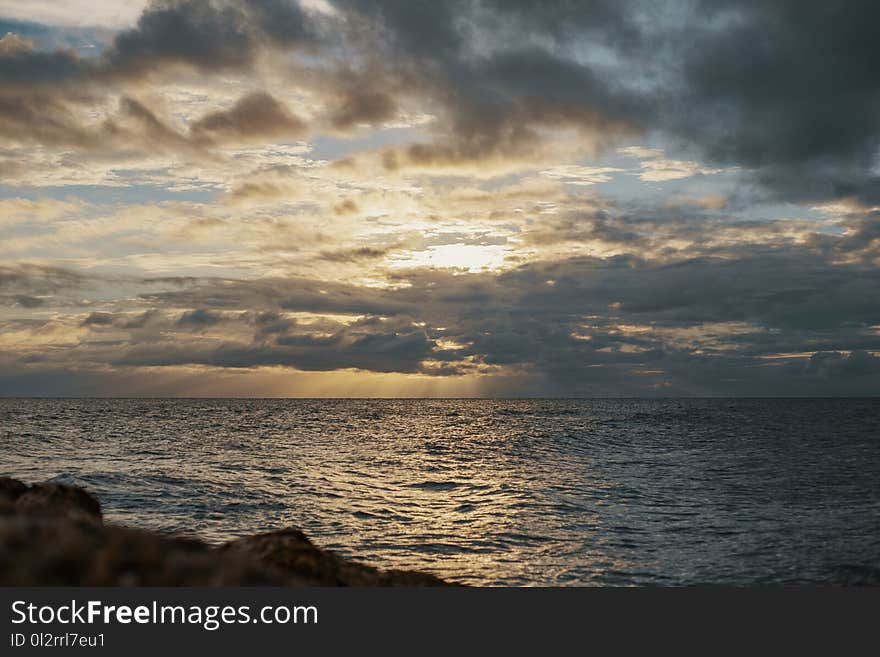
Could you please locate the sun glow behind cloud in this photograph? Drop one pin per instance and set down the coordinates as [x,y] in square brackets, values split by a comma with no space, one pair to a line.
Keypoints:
[466,257]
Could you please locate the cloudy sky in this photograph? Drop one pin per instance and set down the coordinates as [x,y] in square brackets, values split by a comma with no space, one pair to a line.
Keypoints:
[465,198]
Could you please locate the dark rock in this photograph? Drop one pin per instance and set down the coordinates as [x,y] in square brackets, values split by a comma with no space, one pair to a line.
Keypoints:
[11,489]
[58,499]
[52,535]
[290,551]
[47,550]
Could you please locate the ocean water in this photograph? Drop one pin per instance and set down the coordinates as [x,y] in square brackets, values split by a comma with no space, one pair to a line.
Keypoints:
[520,492]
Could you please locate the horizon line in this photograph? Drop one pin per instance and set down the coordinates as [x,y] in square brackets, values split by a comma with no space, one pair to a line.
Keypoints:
[429,398]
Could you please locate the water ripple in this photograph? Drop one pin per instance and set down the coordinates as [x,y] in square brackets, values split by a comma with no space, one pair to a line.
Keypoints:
[617,492]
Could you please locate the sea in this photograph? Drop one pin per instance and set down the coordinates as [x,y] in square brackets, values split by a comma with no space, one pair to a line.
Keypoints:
[536,492]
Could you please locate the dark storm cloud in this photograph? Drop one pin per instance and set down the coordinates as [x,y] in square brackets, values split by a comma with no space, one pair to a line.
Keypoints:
[349,347]
[209,35]
[788,88]
[200,318]
[609,21]
[198,33]
[22,66]
[285,23]
[40,91]
[807,291]
[492,70]
[499,106]
[377,352]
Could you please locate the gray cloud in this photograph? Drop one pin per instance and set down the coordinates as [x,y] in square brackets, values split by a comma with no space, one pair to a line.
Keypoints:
[27,301]
[209,35]
[200,318]
[777,88]
[98,319]
[23,67]
[39,90]
[699,324]
[257,115]
[356,255]
[38,280]
[426,51]
[44,119]
[360,106]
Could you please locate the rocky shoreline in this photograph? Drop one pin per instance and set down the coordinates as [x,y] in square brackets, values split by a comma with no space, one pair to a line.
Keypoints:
[54,535]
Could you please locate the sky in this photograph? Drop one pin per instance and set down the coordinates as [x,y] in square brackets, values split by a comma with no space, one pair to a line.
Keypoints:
[464,198]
